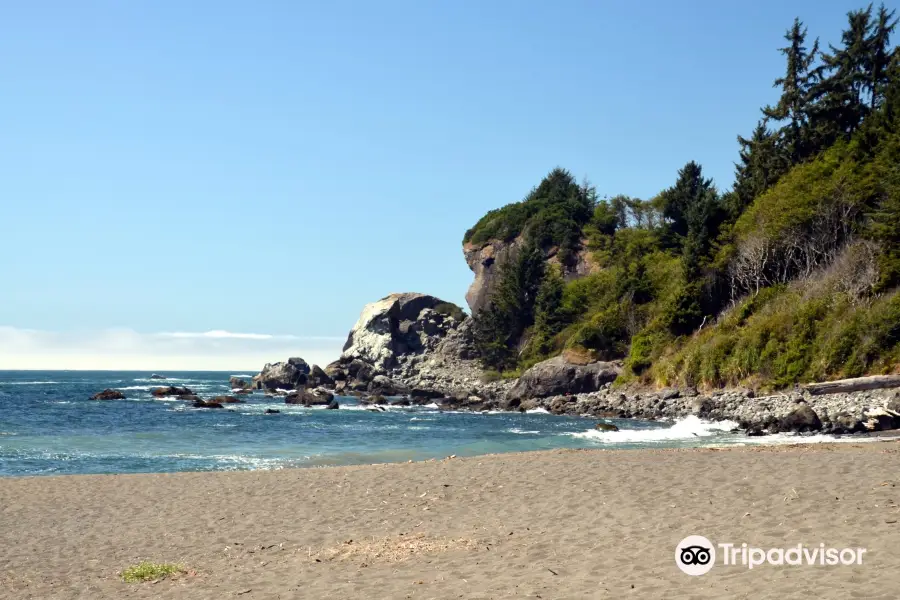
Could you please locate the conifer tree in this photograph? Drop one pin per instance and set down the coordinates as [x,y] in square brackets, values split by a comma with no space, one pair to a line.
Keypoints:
[794,104]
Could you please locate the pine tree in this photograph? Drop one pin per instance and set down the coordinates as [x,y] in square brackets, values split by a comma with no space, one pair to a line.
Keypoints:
[794,104]
[880,56]
[839,97]
[689,189]
[549,317]
[499,327]
[761,164]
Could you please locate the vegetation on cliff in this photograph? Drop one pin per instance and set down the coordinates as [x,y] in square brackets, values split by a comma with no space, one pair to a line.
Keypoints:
[790,275]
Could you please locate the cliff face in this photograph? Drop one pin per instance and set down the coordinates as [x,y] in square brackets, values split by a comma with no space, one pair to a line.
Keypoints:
[484,261]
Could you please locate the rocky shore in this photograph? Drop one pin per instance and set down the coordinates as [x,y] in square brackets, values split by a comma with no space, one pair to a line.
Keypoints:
[417,349]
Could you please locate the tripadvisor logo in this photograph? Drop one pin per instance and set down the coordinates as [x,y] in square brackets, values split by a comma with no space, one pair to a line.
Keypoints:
[696,555]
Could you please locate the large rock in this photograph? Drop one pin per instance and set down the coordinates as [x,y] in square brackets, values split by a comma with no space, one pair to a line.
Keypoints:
[283,375]
[484,260]
[558,376]
[317,397]
[240,384]
[801,419]
[171,390]
[225,400]
[399,325]
[318,377]
[108,395]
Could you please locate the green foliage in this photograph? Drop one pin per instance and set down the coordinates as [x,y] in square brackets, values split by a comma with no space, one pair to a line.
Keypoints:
[148,571]
[451,310]
[553,212]
[804,250]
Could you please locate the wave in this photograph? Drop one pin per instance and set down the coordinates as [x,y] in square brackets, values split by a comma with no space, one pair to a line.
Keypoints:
[536,411]
[251,376]
[688,428]
[30,383]
[518,431]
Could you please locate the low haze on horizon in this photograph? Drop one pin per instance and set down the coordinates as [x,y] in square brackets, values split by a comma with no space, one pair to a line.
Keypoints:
[216,185]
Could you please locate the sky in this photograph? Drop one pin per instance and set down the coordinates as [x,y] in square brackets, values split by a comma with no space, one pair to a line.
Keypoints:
[219,184]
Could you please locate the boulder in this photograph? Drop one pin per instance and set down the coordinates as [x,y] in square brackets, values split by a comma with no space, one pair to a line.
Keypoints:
[606,427]
[399,324]
[283,375]
[242,392]
[318,377]
[108,394]
[845,423]
[272,411]
[317,397]
[557,376]
[226,400]
[333,405]
[700,406]
[171,390]
[155,376]
[801,419]
[385,386]
[240,384]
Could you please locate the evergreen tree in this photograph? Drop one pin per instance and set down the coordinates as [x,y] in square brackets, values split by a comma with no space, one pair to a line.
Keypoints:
[794,104]
[880,56]
[761,164]
[499,327]
[549,317]
[679,201]
[839,97]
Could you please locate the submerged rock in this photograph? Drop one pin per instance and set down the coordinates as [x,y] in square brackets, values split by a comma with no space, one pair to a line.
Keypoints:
[272,411]
[155,376]
[606,427]
[108,394]
[207,404]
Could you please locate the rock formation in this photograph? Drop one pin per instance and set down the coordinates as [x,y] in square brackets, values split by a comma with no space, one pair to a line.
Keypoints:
[558,375]
[171,390]
[282,375]
[108,395]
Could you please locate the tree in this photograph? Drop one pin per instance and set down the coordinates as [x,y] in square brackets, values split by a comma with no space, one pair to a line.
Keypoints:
[679,200]
[549,317]
[880,56]
[839,105]
[794,104]
[499,327]
[761,164]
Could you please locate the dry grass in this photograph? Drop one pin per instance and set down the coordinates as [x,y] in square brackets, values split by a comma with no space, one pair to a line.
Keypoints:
[392,549]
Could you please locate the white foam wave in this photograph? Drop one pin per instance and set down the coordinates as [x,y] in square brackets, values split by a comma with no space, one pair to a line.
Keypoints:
[518,431]
[688,428]
[242,375]
[537,411]
[30,383]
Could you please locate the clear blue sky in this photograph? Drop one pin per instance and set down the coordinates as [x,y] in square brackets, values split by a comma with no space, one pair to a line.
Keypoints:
[270,167]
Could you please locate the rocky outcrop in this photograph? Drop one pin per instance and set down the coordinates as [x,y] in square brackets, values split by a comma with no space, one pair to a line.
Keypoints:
[108,395]
[282,375]
[316,397]
[318,377]
[560,376]
[237,383]
[484,260]
[171,390]
[155,376]
[207,404]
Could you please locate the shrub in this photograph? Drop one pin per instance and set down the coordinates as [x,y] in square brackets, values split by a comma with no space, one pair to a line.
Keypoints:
[148,571]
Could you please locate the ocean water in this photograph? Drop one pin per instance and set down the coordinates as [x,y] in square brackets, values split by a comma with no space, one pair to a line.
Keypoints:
[48,426]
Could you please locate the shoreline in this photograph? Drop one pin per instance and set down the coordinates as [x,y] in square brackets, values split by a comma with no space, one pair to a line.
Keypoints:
[572,523]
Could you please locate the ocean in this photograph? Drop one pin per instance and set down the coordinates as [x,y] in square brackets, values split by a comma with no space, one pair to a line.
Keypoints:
[48,426]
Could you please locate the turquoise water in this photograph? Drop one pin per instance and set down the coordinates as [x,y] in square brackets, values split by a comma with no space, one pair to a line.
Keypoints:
[48,426]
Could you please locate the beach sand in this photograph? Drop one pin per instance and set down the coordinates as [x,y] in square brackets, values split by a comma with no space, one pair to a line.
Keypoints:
[552,525]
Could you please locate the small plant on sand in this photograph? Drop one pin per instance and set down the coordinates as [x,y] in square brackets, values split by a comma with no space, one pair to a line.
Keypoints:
[148,571]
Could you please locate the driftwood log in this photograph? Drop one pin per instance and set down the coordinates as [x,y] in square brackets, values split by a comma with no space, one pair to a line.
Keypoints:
[857,384]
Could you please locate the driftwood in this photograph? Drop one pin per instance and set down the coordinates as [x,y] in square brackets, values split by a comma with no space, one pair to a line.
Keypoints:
[858,384]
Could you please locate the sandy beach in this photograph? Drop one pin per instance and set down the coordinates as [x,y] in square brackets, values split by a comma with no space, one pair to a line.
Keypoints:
[557,524]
